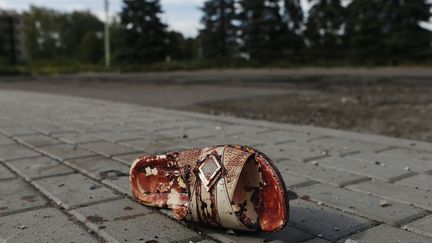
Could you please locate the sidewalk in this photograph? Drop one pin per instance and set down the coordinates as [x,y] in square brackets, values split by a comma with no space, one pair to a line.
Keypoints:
[64,164]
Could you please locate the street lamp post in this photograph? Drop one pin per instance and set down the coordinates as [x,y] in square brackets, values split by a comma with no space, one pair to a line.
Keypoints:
[107,36]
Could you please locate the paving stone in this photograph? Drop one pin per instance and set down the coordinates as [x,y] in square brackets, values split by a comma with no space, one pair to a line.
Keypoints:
[73,190]
[99,167]
[408,195]
[192,133]
[361,204]
[17,131]
[316,240]
[339,146]
[408,153]
[386,233]
[378,171]
[76,138]
[418,165]
[329,223]
[421,181]
[288,235]
[281,152]
[292,181]
[422,226]
[220,140]
[66,151]
[116,136]
[128,159]
[108,149]
[5,173]
[318,173]
[5,140]
[48,128]
[155,146]
[16,195]
[43,225]
[124,220]
[16,151]
[37,140]
[33,168]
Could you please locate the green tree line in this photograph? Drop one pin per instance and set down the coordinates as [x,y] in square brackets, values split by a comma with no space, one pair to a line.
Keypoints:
[371,32]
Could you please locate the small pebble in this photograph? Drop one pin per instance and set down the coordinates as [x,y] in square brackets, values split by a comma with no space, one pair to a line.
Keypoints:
[320,203]
[315,163]
[407,168]
[350,241]
[22,227]
[384,203]
[319,235]
[336,229]
[230,232]
[218,127]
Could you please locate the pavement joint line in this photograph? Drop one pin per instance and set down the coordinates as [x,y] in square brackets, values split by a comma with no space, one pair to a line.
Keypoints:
[50,204]
[421,214]
[121,195]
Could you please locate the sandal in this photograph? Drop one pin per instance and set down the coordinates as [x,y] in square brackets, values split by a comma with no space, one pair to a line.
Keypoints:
[230,186]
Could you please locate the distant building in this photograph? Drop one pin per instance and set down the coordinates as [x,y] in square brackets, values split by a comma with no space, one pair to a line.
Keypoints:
[11,37]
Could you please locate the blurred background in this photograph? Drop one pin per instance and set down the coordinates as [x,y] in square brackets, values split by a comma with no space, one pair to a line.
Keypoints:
[361,65]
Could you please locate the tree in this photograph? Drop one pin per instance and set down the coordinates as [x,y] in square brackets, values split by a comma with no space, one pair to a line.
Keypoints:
[404,38]
[364,31]
[50,34]
[294,17]
[145,36]
[324,28]
[219,35]
[263,32]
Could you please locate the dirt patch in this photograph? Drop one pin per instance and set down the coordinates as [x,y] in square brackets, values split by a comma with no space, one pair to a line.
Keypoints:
[393,102]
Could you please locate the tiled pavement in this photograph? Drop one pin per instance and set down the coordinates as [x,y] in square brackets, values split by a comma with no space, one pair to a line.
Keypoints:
[64,164]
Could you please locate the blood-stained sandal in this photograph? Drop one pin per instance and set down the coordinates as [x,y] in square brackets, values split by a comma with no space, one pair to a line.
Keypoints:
[230,186]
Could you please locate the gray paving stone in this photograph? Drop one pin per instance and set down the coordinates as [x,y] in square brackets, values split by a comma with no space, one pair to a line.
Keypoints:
[16,151]
[128,159]
[281,152]
[5,173]
[16,195]
[220,140]
[364,205]
[33,168]
[17,131]
[37,140]
[99,167]
[421,181]
[386,233]
[116,136]
[76,138]
[192,133]
[318,173]
[292,181]
[48,128]
[124,220]
[329,223]
[408,153]
[372,170]
[5,140]
[288,235]
[73,190]
[155,146]
[422,226]
[340,146]
[418,165]
[317,240]
[43,225]
[66,151]
[408,195]
[108,149]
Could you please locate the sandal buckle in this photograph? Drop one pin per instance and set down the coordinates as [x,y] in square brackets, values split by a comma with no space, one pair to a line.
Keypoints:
[209,171]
